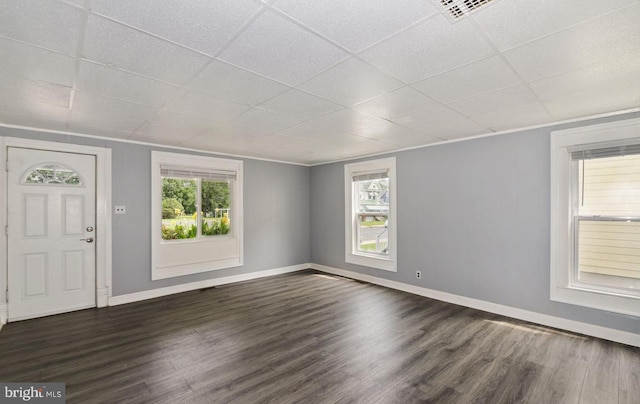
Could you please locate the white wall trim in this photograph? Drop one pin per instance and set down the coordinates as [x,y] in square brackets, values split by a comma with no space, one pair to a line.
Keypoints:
[103,207]
[159,145]
[211,152]
[186,287]
[538,318]
[562,231]
[3,314]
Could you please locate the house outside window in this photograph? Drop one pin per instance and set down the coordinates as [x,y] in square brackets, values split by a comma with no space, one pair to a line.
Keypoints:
[595,239]
[197,214]
[370,214]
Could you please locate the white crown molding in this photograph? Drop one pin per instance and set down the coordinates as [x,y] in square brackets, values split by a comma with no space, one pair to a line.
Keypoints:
[209,152]
[499,133]
[159,145]
[186,287]
[530,316]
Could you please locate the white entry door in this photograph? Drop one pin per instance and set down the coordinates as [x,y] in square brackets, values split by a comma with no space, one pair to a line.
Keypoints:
[51,232]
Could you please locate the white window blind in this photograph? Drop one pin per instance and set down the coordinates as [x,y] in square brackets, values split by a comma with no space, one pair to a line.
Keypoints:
[370,175]
[196,172]
[609,186]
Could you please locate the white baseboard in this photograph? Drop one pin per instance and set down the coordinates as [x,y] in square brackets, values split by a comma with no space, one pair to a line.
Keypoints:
[533,317]
[153,293]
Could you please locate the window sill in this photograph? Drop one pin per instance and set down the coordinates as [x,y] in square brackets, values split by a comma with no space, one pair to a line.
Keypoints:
[601,300]
[369,260]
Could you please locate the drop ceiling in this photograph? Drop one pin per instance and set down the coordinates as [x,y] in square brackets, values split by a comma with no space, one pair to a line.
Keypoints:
[312,81]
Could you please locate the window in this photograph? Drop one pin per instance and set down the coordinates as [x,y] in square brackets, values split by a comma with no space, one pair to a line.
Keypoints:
[596,217]
[52,174]
[197,217]
[370,214]
[195,203]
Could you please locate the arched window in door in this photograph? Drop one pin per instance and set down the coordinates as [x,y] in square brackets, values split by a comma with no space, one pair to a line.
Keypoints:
[53,174]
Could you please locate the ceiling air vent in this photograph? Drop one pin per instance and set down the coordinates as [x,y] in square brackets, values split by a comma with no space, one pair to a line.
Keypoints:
[456,9]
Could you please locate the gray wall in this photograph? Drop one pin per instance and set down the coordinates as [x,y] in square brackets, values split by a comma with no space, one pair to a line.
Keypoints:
[276,214]
[473,216]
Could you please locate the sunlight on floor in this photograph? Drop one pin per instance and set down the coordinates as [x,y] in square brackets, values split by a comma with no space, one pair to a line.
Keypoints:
[535,329]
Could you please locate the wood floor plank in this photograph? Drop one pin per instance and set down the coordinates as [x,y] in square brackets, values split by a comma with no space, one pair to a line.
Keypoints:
[313,338]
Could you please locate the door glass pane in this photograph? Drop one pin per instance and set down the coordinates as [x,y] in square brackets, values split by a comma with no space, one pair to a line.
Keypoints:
[52,174]
[373,214]
[216,203]
[179,208]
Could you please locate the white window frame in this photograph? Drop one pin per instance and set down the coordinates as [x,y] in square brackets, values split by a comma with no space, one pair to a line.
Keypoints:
[171,258]
[563,289]
[388,261]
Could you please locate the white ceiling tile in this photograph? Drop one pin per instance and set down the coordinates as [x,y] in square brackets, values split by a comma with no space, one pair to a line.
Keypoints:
[45,23]
[234,84]
[87,103]
[429,48]
[201,25]
[84,129]
[173,126]
[38,112]
[591,83]
[163,137]
[101,121]
[221,143]
[79,3]
[403,101]
[495,100]
[276,48]
[356,24]
[308,130]
[400,142]
[577,58]
[594,90]
[614,39]
[264,120]
[119,46]
[234,132]
[7,118]
[36,91]
[576,105]
[276,141]
[517,117]
[429,118]
[300,105]
[514,22]
[214,109]
[118,84]
[35,63]
[458,129]
[476,78]
[348,120]
[388,132]
[344,139]
[350,82]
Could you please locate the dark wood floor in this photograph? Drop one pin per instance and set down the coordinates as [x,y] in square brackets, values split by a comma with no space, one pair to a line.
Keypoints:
[312,338]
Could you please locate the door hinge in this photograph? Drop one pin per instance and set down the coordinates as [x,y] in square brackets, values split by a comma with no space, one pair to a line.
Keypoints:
[6,295]
[6,230]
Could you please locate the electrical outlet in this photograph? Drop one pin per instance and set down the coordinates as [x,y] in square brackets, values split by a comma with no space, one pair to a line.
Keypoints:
[120,210]
[418,274]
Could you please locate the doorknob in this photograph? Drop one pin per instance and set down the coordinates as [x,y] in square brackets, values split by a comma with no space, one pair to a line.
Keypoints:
[88,240]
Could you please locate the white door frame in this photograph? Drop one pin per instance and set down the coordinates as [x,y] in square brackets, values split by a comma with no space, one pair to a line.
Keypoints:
[103,213]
